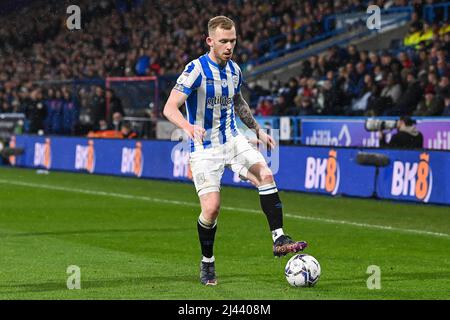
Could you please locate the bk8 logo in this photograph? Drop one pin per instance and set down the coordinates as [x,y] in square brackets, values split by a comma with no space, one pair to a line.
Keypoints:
[413,179]
[133,160]
[85,157]
[43,154]
[323,174]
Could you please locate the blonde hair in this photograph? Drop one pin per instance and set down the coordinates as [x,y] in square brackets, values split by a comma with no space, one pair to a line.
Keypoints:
[220,22]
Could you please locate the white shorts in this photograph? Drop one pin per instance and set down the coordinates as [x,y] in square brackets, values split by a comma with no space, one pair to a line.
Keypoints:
[207,165]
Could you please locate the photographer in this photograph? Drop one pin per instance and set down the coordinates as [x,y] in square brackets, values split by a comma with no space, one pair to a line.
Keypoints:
[407,136]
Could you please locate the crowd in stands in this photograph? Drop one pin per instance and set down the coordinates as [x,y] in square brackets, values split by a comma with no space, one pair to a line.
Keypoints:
[157,38]
[411,80]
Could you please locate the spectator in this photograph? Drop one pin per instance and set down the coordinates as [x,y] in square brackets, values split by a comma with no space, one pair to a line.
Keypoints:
[406,63]
[5,107]
[407,136]
[70,113]
[373,61]
[53,104]
[408,100]
[280,107]
[442,86]
[265,107]
[390,64]
[103,125]
[432,105]
[291,91]
[99,105]
[36,112]
[446,111]
[306,107]
[353,54]
[127,131]
[389,95]
[117,119]
[115,105]
[359,106]
[442,68]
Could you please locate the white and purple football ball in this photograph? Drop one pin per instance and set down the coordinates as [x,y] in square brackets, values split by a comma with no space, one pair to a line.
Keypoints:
[302,270]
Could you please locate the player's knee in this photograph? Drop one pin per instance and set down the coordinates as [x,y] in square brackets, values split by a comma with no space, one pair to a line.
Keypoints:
[210,212]
[265,176]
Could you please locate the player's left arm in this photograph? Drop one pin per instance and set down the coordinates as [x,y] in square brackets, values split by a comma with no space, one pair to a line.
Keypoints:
[243,111]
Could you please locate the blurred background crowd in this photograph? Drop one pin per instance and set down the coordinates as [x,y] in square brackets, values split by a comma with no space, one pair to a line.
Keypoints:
[126,38]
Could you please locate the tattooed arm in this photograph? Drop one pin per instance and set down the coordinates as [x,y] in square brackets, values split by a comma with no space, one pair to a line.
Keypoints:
[243,111]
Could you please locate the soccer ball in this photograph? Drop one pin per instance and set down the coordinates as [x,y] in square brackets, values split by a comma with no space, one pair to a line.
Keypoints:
[302,270]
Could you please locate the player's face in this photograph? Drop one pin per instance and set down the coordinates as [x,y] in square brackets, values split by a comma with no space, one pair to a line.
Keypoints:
[222,43]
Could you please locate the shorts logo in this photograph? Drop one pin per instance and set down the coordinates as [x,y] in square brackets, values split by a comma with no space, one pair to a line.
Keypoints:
[42,154]
[323,174]
[413,179]
[200,178]
[85,157]
[133,160]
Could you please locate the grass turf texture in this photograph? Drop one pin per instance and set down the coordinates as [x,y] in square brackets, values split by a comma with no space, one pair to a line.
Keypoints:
[137,239]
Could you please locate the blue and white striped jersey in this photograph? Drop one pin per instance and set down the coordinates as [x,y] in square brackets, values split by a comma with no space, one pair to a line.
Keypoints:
[210,89]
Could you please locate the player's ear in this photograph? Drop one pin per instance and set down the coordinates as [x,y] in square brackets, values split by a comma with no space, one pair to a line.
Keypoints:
[209,41]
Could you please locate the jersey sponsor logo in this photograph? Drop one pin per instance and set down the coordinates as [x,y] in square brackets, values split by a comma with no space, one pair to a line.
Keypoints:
[133,160]
[413,179]
[42,154]
[223,101]
[85,157]
[323,174]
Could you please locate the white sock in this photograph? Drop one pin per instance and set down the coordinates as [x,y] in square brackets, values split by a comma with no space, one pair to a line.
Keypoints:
[205,259]
[277,233]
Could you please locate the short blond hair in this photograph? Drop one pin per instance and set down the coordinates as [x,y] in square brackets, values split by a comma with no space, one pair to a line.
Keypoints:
[220,22]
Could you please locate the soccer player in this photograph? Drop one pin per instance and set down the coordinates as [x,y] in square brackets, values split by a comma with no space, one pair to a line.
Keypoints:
[211,88]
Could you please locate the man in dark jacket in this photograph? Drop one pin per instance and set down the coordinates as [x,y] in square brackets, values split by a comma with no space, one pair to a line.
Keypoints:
[36,112]
[407,136]
[115,105]
[408,100]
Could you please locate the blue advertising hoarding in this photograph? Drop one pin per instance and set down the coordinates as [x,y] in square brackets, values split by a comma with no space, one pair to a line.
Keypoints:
[411,175]
[348,132]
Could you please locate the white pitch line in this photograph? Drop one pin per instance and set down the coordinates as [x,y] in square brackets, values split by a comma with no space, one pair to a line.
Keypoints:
[192,204]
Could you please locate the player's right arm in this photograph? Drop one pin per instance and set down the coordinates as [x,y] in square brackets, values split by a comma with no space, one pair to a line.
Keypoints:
[187,82]
[173,114]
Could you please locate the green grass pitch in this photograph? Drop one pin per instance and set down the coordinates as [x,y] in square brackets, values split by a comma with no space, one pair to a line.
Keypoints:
[137,239]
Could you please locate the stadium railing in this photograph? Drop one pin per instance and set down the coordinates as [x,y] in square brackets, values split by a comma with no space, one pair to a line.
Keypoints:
[135,93]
